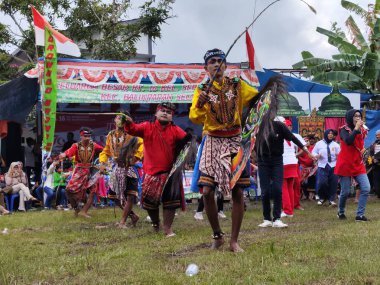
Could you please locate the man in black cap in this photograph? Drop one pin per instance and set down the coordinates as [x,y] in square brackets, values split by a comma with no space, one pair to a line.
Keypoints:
[219,109]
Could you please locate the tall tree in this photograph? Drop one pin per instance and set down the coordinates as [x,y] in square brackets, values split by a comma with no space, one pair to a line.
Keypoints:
[102,26]
[357,66]
[106,30]
[6,70]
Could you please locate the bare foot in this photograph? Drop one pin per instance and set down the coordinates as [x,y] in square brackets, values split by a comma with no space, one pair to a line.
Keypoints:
[234,247]
[122,226]
[5,212]
[217,243]
[85,215]
[168,231]
[134,219]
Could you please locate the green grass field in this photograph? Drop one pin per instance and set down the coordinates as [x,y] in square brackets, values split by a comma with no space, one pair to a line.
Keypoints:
[53,247]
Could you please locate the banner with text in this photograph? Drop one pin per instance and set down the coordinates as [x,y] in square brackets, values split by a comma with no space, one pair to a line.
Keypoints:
[71,91]
[49,99]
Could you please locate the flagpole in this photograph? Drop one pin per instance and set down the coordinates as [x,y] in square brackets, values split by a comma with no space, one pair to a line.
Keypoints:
[240,35]
[230,48]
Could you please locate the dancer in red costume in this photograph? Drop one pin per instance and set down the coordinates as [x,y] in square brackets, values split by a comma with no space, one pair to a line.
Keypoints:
[161,139]
[81,180]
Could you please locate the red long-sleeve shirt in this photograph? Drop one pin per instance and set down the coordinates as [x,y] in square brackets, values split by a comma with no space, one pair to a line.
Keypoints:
[159,144]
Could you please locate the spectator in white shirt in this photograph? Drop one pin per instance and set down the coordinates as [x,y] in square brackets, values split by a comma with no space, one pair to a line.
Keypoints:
[326,151]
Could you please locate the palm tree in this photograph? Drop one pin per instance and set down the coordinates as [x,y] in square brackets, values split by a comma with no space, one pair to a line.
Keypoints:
[357,66]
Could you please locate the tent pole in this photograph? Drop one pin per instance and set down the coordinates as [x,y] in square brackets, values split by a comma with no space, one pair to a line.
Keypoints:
[85,113]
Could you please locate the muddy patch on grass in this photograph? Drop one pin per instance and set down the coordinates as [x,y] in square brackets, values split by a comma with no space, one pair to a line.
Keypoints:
[87,244]
[188,250]
[30,230]
[100,226]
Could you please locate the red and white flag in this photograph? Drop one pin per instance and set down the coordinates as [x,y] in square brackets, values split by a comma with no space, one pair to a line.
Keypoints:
[64,44]
[252,58]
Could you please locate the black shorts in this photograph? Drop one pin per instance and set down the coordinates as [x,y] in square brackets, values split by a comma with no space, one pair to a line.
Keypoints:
[131,186]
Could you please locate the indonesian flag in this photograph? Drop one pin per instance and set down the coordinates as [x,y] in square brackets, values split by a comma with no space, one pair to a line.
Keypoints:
[252,58]
[64,44]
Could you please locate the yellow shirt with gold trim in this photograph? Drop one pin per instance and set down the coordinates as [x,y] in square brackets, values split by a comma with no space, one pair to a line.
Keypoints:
[114,142]
[222,114]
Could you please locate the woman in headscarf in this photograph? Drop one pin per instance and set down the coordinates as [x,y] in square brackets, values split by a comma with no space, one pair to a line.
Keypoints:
[350,163]
[326,151]
[16,178]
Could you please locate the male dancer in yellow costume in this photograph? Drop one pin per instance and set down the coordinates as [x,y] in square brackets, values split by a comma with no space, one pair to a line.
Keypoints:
[124,180]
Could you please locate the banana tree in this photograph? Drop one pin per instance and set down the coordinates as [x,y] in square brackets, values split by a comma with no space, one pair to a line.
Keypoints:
[357,66]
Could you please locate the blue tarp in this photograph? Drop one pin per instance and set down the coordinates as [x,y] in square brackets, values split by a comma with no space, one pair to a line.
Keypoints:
[299,85]
[17,98]
[373,123]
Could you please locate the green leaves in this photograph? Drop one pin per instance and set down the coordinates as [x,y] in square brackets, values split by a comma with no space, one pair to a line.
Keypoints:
[101,28]
[336,77]
[7,71]
[357,67]
[354,8]
[310,62]
[107,32]
[356,33]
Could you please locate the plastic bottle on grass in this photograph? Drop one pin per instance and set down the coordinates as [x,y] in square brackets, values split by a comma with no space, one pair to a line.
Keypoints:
[192,270]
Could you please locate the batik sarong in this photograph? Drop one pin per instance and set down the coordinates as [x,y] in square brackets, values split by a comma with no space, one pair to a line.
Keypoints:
[124,181]
[215,165]
[117,181]
[153,193]
[81,180]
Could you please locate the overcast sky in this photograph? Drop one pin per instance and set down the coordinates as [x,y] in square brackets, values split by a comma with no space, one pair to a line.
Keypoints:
[279,35]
